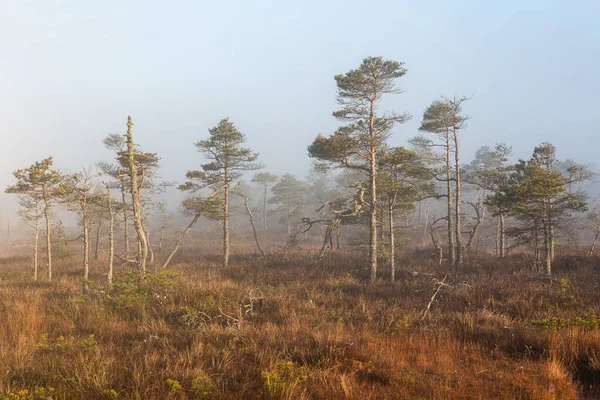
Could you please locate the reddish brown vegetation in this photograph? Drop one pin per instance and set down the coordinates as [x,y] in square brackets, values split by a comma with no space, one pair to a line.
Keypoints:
[291,327]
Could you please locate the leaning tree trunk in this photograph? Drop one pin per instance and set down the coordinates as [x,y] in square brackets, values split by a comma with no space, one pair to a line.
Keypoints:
[136,203]
[181,239]
[251,216]
[458,227]
[111,236]
[593,245]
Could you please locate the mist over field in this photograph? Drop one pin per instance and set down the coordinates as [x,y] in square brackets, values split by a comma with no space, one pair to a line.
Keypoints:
[299,200]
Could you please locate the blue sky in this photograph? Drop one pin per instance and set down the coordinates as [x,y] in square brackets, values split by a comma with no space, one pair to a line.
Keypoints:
[72,70]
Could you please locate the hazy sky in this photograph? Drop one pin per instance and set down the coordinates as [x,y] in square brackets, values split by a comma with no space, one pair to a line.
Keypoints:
[73,70]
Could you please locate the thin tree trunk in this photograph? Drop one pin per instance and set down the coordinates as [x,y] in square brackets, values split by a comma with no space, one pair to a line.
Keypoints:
[161,238]
[181,239]
[48,234]
[36,243]
[226,221]
[150,251]
[458,227]
[97,247]
[392,243]
[373,184]
[498,236]
[125,224]
[265,225]
[86,248]
[502,237]
[135,199]
[111,236]
[252,223]
[451,244]
[547,238]
[593,245]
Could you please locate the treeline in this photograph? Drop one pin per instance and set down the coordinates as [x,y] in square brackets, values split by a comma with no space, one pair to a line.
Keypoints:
[388,190]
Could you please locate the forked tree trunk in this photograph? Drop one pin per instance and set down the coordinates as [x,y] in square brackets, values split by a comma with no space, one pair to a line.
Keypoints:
[135,199]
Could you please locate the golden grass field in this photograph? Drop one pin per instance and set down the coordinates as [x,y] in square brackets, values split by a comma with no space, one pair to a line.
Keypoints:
[289,327]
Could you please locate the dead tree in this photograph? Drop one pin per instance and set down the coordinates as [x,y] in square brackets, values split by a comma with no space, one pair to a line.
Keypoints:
[337,217]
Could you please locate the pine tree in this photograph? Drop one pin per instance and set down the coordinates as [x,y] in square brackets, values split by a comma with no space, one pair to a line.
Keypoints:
[355,145]
[290,195]
[40,181]
[264,179]
[228,159]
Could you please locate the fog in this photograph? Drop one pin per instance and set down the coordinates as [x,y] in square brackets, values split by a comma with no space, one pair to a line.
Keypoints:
[73,70]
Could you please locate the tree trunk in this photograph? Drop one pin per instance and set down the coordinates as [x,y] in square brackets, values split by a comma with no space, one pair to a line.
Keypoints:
[226,221]
[48,233]
[373,184]
[252,223]
[136,204]
[150,251]
[458,227]
[502,237]
[265,225]
[181,239]
[498,236]
[111,236]
[97,247]
[125,224]
[547,239]
[451,243]
[593,245]
[392,243]
[36,243]
[161,238]
[86,249]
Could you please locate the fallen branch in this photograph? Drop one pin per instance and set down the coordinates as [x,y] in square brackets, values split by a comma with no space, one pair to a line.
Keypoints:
[440,284]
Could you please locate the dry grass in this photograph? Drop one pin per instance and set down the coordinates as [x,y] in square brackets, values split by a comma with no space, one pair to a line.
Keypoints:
[289,327]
